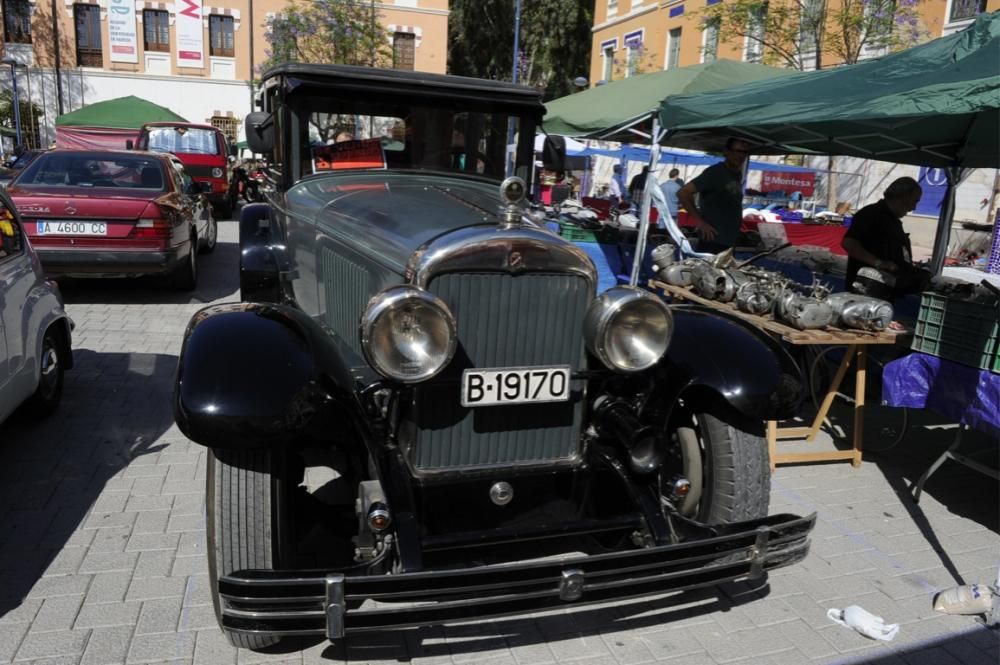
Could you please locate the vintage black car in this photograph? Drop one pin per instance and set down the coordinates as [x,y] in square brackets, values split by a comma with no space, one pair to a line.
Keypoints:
[423,412]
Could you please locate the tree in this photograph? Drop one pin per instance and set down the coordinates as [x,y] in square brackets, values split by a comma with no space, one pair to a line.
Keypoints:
[29,117]
[798,33]
[555,41]
[345,32]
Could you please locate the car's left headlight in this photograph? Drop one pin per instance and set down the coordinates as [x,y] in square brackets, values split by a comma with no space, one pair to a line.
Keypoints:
[407,334]
[628,329]
[216,172]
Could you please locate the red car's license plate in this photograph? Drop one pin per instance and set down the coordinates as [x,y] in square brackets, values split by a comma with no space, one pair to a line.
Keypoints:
[46,228]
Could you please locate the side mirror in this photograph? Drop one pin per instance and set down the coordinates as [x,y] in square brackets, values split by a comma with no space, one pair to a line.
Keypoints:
[260,131]
[554,153]
[130,144]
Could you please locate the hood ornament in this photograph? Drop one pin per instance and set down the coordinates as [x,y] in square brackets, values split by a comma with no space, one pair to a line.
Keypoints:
[512,193]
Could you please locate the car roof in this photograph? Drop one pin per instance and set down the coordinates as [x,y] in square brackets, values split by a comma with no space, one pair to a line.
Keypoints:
[419,83]
[188,125]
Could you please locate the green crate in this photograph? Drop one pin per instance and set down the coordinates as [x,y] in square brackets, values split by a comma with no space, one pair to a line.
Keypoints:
[574,233]
[958,330]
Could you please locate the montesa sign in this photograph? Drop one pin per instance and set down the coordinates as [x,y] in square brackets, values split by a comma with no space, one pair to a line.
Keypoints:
[773,181]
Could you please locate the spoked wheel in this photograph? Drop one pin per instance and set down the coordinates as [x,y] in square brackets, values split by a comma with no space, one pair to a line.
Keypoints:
[726,466]
[50,381]
[241,532]
[885,426]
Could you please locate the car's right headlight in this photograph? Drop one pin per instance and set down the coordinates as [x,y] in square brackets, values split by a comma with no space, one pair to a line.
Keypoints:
[407,334]
[628,329]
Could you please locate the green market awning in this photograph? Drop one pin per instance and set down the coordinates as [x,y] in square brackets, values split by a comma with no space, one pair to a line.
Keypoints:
[616,111]
[121,113]
[935,104]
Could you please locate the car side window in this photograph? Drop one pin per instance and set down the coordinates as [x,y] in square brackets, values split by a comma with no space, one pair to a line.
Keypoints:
[11,240]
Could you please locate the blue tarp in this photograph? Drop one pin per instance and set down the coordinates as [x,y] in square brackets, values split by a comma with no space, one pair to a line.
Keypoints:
[967,395]
[667,156]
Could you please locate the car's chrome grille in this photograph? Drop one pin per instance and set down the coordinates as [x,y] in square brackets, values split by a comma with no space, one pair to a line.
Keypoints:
[504,320]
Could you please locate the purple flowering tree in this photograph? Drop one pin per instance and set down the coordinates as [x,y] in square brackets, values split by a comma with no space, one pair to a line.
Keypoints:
[805,34]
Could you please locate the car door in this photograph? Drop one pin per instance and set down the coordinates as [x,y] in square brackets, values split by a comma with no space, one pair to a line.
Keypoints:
[16,279]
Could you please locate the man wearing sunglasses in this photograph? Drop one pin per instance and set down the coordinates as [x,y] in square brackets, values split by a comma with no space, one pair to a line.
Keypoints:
[718,212]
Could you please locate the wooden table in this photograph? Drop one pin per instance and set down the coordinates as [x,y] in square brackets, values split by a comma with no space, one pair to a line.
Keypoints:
[857,343]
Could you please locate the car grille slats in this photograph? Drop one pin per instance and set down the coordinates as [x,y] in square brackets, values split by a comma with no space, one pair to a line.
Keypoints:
[504,320]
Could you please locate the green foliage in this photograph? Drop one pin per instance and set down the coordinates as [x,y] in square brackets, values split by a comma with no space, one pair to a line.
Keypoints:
[797,33]
[346,32]
[555,41]
[29,117]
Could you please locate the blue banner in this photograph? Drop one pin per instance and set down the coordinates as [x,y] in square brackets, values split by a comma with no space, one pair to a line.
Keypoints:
[934,183]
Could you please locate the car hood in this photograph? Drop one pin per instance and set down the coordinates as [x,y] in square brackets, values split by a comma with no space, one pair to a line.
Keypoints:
[389,215]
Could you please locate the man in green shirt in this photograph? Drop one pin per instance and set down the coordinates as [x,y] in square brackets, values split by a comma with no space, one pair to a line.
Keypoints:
[718,213]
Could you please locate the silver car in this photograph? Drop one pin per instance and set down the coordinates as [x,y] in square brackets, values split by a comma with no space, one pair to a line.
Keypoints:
[35,332]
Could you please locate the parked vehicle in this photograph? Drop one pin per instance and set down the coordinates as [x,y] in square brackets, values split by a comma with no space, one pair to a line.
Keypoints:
[203,149]
[424,401]
[246,183]
[10,169]
[35,332]
[115,214]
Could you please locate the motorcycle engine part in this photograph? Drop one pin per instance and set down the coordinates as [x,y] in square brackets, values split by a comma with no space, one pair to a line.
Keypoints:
[860,312]
[713,283]
[803,312]
[678,274]
[875,283]
[663,255]
[756,297]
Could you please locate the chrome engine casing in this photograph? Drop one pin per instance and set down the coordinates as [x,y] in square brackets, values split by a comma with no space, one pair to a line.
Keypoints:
[860,312]
[680,273]
[802,311]
[756,296]
[715,283]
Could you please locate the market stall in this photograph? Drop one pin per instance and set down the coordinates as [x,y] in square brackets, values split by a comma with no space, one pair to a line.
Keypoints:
[109,124]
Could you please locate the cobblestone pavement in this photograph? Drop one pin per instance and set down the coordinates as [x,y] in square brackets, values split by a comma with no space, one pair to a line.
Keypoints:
[102,538]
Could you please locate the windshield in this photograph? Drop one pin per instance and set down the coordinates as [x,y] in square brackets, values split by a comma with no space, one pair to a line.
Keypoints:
[182,139]
[93,170]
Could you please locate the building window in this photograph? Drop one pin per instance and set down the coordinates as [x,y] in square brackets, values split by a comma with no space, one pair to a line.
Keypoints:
[220,35]
[612,7]
[608,60]
[229,126]
[156,30]
[674,48]
[963,10]
[756,26]
[88,35]
[17,21]
[710,35]
[633,53]
[404,45]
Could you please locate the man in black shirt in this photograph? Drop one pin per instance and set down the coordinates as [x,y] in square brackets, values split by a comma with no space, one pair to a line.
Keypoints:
[876,238]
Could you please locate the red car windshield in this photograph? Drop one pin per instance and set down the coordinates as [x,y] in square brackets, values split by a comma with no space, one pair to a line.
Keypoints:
[94,170]
[181,139]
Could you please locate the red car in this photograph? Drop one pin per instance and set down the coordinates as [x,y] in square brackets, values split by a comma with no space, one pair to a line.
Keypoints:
[114,213]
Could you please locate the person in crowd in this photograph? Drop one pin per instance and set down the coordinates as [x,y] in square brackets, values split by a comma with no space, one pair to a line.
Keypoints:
[718,212]
[636,186]
[876,238]
[670,188]
[615,193]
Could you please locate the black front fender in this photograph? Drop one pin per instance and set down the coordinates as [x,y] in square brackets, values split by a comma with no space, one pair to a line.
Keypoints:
[262,255]
[254,375]
[734,361]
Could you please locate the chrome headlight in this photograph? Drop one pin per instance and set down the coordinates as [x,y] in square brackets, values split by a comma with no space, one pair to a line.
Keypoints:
[628,329]
[407,334]
[216,172]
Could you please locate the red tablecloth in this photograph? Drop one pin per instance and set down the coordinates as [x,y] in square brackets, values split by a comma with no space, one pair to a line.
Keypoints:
[813,235]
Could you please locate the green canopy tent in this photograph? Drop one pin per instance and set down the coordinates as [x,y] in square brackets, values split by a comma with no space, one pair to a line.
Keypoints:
[937,104]
[109,124]
[623,110]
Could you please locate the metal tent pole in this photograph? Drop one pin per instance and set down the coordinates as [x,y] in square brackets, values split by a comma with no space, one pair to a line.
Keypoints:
[640,243]
[943,234]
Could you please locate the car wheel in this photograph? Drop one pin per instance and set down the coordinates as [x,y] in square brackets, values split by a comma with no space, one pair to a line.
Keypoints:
[211,235]
[727,468]
[50,381]
[186,277]
[239,524]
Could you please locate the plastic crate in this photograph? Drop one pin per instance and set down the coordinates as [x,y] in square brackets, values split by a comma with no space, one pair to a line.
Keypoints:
[574,233]
[958,330]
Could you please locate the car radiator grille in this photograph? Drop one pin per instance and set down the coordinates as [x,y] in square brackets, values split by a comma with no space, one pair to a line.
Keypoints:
[533,319]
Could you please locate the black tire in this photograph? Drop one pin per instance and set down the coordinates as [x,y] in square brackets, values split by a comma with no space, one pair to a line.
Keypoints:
[185,278]
[728,469]
[211,236]
[50,381]
[239,524]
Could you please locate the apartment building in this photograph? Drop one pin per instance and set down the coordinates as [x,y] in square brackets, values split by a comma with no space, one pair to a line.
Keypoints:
[636,36]
[195,57]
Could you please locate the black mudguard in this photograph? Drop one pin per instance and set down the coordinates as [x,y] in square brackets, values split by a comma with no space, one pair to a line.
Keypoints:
[720,356]
[262,258]
[252,375]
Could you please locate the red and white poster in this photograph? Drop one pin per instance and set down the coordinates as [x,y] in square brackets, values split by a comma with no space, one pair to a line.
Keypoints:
[366,154]
[775,181]
[190,34]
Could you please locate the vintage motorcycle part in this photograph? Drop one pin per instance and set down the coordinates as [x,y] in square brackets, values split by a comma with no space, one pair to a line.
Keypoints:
[802,311]
[680,273]
[408,334]
[663,256]
[860,312]
[628,329]
[875,283]
[756,296]
[714,283]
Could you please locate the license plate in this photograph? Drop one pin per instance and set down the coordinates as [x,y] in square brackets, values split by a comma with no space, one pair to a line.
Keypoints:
[71,228]
[514,385]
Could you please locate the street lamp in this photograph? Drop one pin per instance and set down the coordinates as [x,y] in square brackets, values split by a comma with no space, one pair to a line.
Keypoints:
[9,60]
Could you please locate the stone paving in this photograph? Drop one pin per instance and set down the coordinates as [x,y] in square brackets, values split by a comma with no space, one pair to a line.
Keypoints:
[102,552]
